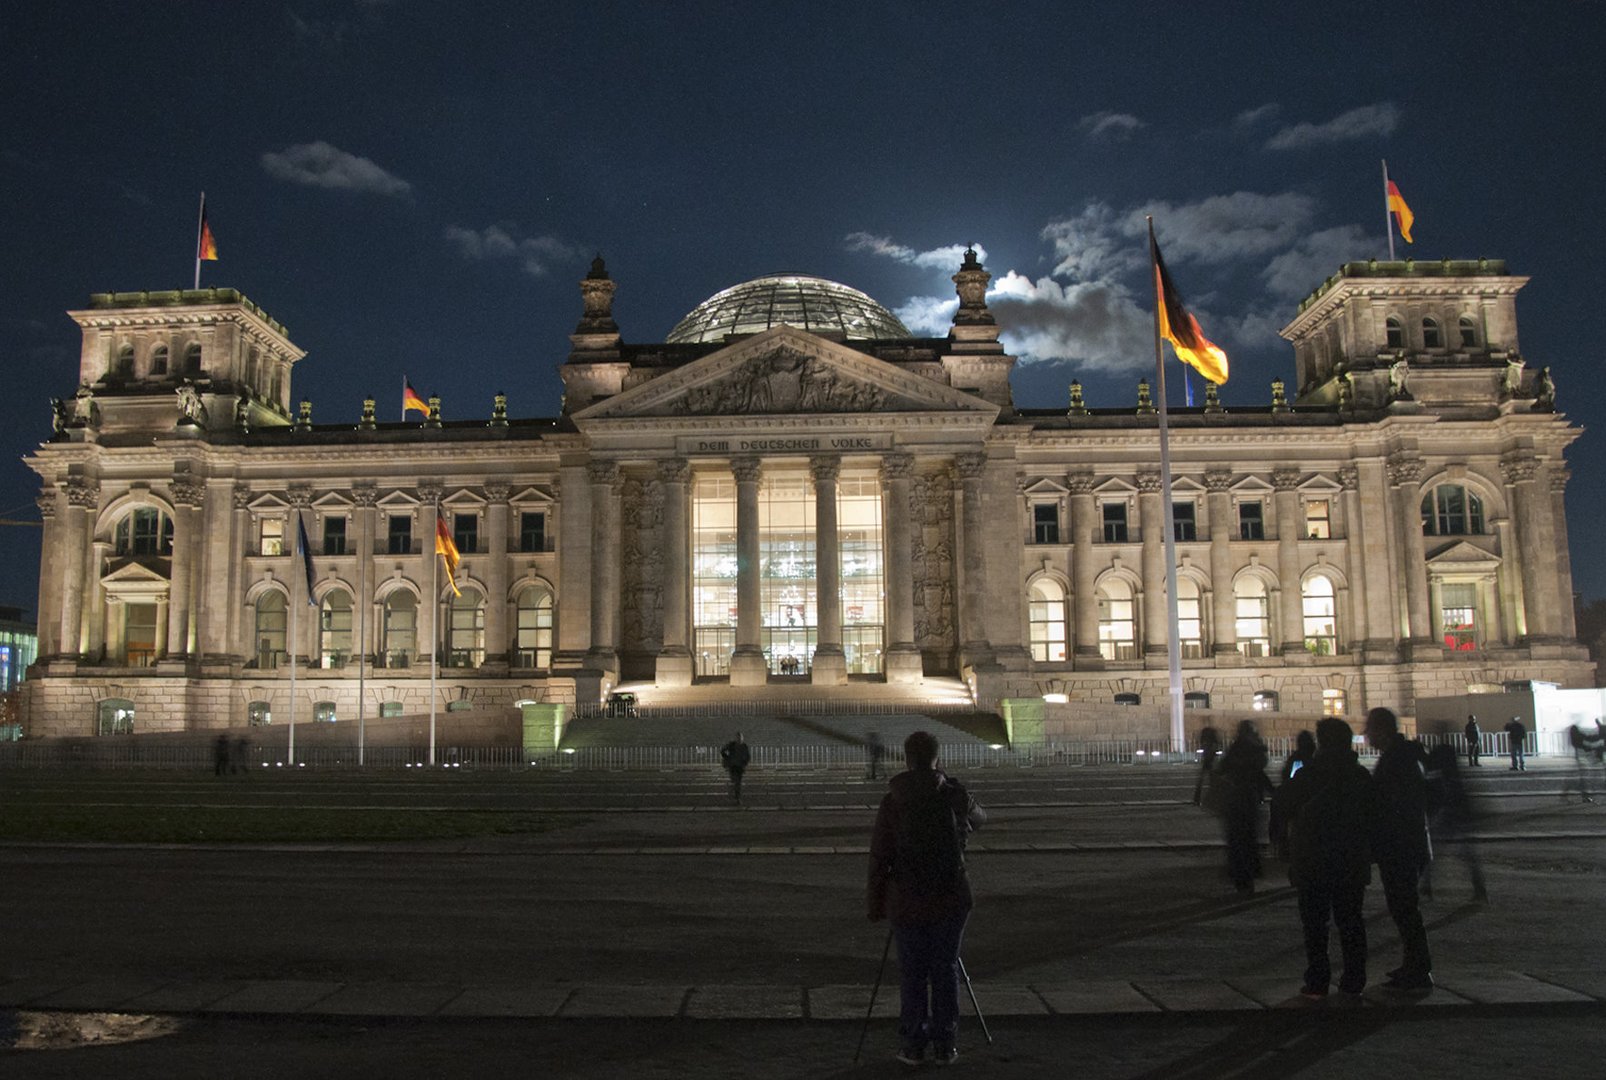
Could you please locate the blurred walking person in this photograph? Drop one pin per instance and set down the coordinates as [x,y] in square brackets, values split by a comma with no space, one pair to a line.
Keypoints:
[875,751]
[734,756]
[1583,753]
[1474,736]
[220,754]
[1451,819]
[1400,843]
[1242,778]
[1209,747]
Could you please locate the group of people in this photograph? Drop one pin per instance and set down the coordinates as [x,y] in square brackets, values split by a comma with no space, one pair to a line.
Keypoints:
[230,758]
[1516,742]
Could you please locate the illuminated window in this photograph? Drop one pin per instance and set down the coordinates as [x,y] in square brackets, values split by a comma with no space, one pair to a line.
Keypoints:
[713,573]
[1117,621]
[1321,615]
[862,541]
[1459,614]
[1129,699]
[259,714]
[270,536]
[1334,703]
[115,716]
[270,629]
[399,632]
[144,531]
[1047,612]
[533,644]
[1265,701]
[1190,621]
[1431,338]
[334,629]
[1253,616]
[323,712]
[1451,510]
[1318,519]
[1196,699]
[390,708]
[465,630]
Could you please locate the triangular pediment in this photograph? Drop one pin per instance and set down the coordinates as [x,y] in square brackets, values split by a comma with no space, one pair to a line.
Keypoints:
[1463,556]
[782,372]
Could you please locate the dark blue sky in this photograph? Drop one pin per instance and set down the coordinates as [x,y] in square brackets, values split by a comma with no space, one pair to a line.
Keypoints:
[417,187]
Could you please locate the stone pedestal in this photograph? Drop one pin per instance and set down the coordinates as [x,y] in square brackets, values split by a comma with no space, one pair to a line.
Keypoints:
[829,667]
[904,664]
[748,667]
[673,667]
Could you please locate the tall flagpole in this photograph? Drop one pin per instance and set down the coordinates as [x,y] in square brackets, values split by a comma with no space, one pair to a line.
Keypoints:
[1173,649]
[295,633]
[200,222]
[434,625]
[1388,222]
[362,638]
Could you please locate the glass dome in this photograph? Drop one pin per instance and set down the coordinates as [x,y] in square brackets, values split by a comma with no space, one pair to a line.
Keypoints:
[787,299]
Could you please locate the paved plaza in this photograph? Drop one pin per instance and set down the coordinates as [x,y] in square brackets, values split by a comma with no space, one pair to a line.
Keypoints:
[658,929]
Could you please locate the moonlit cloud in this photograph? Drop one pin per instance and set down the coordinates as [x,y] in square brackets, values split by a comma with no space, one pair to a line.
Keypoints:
[320,165]
[1222,228]
[1112,125]
[943,258]
[535,253]
[1368,120]
[1314,258]
[1253,117]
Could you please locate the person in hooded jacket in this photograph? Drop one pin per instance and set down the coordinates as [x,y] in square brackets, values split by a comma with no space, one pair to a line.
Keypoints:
[1329,808]
[1400,842]
[918,882]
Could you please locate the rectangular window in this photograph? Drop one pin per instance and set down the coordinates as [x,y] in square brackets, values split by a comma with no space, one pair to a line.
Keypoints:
[1045,523]
[713,573]
[1460,615]
[532,531]
[466,532]
[1318,519]
[1333,703]
[1183,523]
[270,536]
[399,534]
[1190,624]
[334,535]
[1251,520]
[1115,522]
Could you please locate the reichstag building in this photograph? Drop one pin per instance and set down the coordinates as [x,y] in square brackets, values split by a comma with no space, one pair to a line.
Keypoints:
[793,490]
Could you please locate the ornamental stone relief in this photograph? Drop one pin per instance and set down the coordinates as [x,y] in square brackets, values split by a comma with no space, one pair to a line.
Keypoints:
[641,516]
[782,382]
[931,541]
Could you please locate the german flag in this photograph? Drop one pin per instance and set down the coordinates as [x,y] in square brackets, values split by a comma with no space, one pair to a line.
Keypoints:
[206,247]
[1180,328]
[411,400]
[1402,213]
[446,548]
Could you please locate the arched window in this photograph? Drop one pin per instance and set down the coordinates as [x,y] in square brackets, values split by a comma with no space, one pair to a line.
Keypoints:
[334,629]
[400,629]
[270,624]
[251,369]
[1451,510]
[1394,332]
[1252,606]
[1129,699]
[323,712]
[1266,701]
[159,361]
[1190,621]
[145,530]
[1431,338]
[1469,333]
[465,630]
[1196,699]
[1321,615]
[192,359]
[1118,636]
[115,716]
[123,366]
[259,714]
[390,708]
[532,645]
[1047,614]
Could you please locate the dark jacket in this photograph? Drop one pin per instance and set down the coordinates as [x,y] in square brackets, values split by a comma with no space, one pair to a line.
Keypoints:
[1402,794]
[892,896]
[1330,811]
[735,755]
[1243,768]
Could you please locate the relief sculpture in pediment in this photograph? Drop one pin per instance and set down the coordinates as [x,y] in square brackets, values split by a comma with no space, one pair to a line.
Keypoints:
[782,382]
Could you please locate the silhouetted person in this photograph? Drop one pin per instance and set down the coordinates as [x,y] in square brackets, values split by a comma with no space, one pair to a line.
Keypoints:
[1400,843]
[918,881]
[1242,777]
[1209,747]
[1474,736]
[220,755]
[1330,808]
[1582,753]
[1450,821]
[875,751]
[242,755]
[1516,736]
[735,755]
[1304,751]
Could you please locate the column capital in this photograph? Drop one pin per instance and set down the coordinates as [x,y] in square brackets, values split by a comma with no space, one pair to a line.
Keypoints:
[746,469]
[83,493]
[1218,480]
[428,492]
[496,492]
[364,496]
[970,466]
[300,497]
[1080,483]
[46,501]
[1349,478]
[1558,479]
[1519,467]
[1404,469]
[674,471]
[1285,479]
[603,473]
[1149,482]
[825,468]
[187,490]
[242,497]
[899,466]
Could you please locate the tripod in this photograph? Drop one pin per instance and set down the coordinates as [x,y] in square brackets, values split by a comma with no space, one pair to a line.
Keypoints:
[876,990]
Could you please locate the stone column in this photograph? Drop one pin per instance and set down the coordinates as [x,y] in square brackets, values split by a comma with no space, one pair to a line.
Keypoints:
[241,628]
[573,501]
[94,640]
[429,573]
[747,667]
[902,655]
[365,616]
[1290,529]
[606,482]
[675,666]
[1151,520]
[186,502]
[50,575]
[1378,553]
[1352,635]
[218,572]
[83,496]
[1084,599]
[976,649]
[1530,504]
[496,601]
[830,666]
[1568,624]
[1223,603]
[1405,475]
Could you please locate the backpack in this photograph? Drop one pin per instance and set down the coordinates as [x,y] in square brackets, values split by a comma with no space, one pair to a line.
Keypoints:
[928,855]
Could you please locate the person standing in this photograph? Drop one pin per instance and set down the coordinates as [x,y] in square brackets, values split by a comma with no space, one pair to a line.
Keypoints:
[220,754]
[875,751]
[1516,738]
[918,882]
[1304,753]
[1474,742]
[1581,756]
[1400,842]
[1209,747]
[1330,809]
[1242,773]
[735,756]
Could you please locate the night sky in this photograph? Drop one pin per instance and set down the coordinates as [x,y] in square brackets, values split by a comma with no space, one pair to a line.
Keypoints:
[417,187]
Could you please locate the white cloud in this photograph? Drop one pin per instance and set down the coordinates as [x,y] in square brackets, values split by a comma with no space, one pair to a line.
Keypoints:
[1251,117]
[1111,124]
[1096,325]
[1292,274]
[1222,228]
[318,164]
[948,257]
[1368,120]
[535,253]
[1097,243]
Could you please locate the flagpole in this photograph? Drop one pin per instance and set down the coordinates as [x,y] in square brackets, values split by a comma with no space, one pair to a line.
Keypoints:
[434,626]
[1388,222]
[1173,623]
[362,638]
[404,397]
[295,632]
[200,221]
